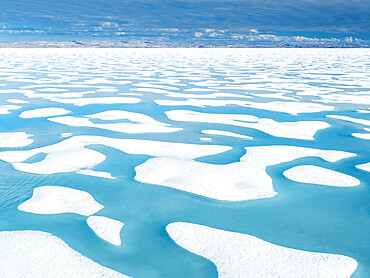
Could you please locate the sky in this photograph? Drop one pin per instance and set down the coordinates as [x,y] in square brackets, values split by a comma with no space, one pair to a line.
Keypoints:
[237,21]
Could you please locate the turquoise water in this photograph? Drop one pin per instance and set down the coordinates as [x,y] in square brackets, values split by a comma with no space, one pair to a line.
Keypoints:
[302,216]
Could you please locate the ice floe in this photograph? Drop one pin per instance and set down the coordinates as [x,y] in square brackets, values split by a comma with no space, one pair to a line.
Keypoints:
[40,254]
[58,199]
[98,100]
[66,134]
[350,119]
[291,107]
[225,133]
[17,101]
[72,155]
[106,228]
[239,181]
[365,136]
[241,255]
[15,139]
[93,173]
[319,175]
[365,166]
[200,102]
[297,130]
[44,112]
[5,109]
[138,123]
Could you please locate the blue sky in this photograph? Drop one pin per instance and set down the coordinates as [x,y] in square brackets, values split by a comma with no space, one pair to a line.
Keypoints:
[184,21]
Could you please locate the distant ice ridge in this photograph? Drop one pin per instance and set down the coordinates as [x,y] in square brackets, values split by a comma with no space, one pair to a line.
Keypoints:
[40,254]
[296,130]
[15,139]
[319,175]
[239,181]
[240,255]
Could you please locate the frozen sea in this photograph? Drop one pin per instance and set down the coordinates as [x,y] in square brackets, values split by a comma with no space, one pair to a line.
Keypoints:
[184,162]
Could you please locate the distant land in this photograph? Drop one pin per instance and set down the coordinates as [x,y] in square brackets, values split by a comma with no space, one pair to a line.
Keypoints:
[159,44]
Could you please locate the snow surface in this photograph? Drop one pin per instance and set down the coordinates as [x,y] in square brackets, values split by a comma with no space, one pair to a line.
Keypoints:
[17,101]
[319,175]
[240,255]
[297,130]
[106,228]
[139,123]
[99,100]
[290,107]
[5,109]
[57,199]
[43,112]
[72,155]
[237,181]
[365,166]
[93,173]
[365,136]
[15,139]
[350,119]
[225,133]
[39,254]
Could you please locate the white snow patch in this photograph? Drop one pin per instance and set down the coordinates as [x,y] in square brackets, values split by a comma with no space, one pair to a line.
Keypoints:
[44,112]
[139,123]
[93,173]
[297,130]
[365,167]
[72,155]
[15,139]
[98,100]
[5,109]
[58,199]
[242,255]
[290,107]
[365,136]
[350,119]
[17,101]
[106,228]
[237,181]
[225,133]
[40,254]
[66,134]
[319,175]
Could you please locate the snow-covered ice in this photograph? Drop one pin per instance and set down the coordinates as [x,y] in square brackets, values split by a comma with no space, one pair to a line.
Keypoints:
[15,139]
[319,175]
[239,181]
[241,255]
[57,199]
[106,228]
[297,129]
[365,166]
[40,254]
[225,133]
[44,112]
